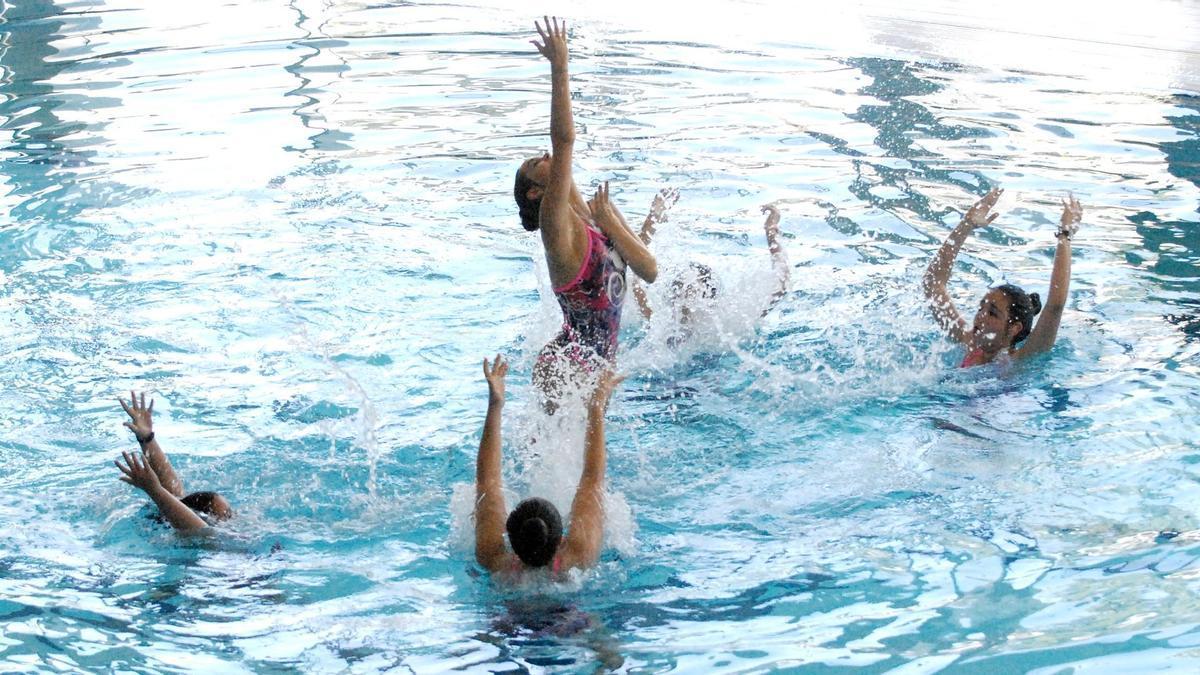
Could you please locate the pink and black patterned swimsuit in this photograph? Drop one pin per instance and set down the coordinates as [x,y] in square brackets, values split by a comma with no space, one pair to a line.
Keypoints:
[592,302]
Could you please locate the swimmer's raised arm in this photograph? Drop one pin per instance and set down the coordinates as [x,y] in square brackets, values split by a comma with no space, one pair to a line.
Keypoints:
[139,474]
[141,423]
[490,512]
[581,548]
[938,273]
[779,261]
[556,219]
[630,247]
[657,214]
[1045,331]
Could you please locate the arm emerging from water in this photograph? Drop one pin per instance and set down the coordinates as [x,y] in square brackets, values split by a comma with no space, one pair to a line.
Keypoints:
[586,535]
[141,423]
[938,273]
[630,246]
[141,475]
[1045,331]
[779,261]
[490,512]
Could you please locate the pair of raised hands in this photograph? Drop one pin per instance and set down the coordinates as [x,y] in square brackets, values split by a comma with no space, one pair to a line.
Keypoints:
[137,470]
[980,214]
[495,372]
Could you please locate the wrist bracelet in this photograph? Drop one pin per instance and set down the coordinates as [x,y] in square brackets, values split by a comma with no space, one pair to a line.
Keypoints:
[146,440]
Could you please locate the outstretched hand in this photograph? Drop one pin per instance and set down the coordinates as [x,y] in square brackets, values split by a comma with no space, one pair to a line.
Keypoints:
[1071,215]
[138,472]
[553,45]
[600,206]
[494,373]
[140,416]
[599,201]
[609,380]
[978,215]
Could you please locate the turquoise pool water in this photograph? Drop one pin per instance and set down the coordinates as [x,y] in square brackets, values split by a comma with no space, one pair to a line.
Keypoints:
[293,224]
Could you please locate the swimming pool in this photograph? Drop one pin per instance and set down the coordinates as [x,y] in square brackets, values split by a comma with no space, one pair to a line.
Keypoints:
[292,223]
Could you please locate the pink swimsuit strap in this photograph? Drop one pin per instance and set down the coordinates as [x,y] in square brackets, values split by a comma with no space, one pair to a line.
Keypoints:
[974,357]
[585,267]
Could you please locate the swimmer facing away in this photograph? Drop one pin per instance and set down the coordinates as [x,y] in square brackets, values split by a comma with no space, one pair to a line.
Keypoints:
[153,474]
[1005,314]
[696,285]
[587,245]
[534,527]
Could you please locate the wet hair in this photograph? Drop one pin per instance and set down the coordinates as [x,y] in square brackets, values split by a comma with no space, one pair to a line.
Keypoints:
[1022,307]
[534,530]
[704,279]
[527,207]
[201,502]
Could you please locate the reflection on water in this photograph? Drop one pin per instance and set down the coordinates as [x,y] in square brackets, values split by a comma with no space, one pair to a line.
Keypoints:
[41,165]
[292,224]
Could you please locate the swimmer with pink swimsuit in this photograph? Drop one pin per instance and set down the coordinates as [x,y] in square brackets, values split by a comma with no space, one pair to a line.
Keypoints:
[591,303]
[1005,315]
[587,243]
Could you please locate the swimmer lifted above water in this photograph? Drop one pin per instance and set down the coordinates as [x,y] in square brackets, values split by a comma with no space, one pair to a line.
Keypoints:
[1005,315]
[153,474]
[695,285]
[587,245]
[535,529]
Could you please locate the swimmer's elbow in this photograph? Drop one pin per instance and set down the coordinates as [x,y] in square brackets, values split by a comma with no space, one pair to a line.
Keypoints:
[649,271]
[929,284]
[487,558]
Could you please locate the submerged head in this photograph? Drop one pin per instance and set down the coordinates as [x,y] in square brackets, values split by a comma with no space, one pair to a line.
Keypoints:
[1005,318]
[691,286]
[528,188]
[534,531]
[210,504]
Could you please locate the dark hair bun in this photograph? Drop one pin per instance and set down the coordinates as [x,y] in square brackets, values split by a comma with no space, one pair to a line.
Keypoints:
[1035,303]
[535,531]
